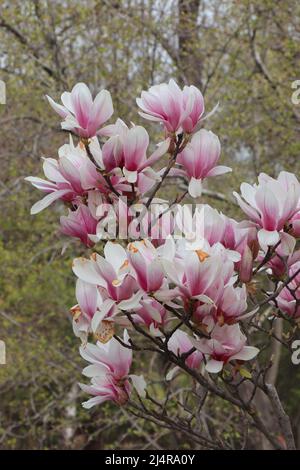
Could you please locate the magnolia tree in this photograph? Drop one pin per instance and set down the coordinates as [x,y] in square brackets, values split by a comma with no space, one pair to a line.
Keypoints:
[182,281]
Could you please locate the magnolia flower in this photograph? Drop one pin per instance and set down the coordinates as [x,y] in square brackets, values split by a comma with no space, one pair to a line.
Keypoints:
[270,205]
[69,177]
[180,343]
[89,301]
[109,372]
[79,224]
[212,224]
[177,109]
[227,343]
[152,314]
[244,241]
[204,311]
[114,215]
[144,259]
[199,159]
[159,223]
[127,151]
[193,273]
[193,101]
[232,304]
[95,313]
[83,115]
[115,280]
[288,300]
[204,225]
[227,305]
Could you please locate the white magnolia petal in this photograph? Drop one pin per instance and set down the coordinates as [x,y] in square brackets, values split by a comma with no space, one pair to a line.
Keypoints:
[47,200]
[268,238]
[131,176]
[195,187]
[115,255]
[246,354]
[96,151]
[248,314]
[171,374]
[213,366]
[101,314]
[94,401]
[95,370]
[41,184]
[139,384]
[131,303]
[52,172]
[219,170]
[85,270]
[154,331]
[96,320]
[162,148]
[287,244]
[204,298]
[61,110]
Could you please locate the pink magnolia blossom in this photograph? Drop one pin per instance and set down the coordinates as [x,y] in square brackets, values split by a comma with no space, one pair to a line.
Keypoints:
[114,278]
[205,308]
[118,218]
[69,177]
[202,275]
[212,224]
[159,224]
[244,241]
[152,314]
[127,151]
[79,224]
[204,233]
[95,313]
[204,311]
[135,147]
[227,343]
[114,215]
[193,273]
[177,109]
[117,180]
[109,372]
[245,267]
[180,343]
[205,227]
[194,103]
[232,305]
[146,264]
[153,223]
[229,304]
[288,299]
[83,115]
[89,301]
[270,205]
[199,160]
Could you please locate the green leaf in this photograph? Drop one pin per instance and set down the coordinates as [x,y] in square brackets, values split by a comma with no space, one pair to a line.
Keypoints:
[245,373]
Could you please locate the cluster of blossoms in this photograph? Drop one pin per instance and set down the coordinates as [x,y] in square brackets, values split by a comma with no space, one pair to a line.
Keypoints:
[202,278]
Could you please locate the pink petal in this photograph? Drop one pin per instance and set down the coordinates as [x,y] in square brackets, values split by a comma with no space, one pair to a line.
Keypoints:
[135,147]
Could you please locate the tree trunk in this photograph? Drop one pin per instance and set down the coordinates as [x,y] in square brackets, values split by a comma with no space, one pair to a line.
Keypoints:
[189,54]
